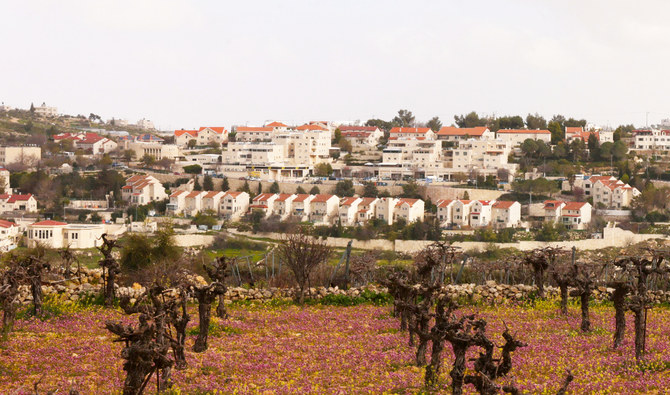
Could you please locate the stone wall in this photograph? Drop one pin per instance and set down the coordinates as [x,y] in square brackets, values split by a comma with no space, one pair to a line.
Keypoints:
[90,283]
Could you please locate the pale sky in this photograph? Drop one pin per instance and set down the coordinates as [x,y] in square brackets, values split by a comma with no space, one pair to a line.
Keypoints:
[185,64]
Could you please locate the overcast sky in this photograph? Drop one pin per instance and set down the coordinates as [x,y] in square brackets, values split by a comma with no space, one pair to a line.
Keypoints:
[185,64]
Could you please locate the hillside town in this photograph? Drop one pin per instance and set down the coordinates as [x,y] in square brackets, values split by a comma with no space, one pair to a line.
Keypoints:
[478,174]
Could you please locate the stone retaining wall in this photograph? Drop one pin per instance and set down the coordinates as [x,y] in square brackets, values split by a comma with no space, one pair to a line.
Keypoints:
[490,292]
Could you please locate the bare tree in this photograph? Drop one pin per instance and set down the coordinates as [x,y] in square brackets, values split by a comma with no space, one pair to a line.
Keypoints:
[540,259]
[206,295]
[218,271]
[302,254]
[35,268]
[10,279]
[110,268]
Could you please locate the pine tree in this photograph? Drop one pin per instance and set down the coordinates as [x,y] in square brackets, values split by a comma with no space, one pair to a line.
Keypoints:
[224,185]
[260,188]
[274,188]
[208,183]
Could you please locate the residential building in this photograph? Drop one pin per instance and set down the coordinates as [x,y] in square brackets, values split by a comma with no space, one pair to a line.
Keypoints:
[652,139]
[96,145]
[55,234]
[385,209]
[234,205]
[481,213]
[264,202]
[461,212]
[361,138]
[254,153]
[348,211]
[145,124]
[576,215]
[14,202]
[203,136]
[283,205]
[577,132]
[301,206]
[506,214]
[157,150]
[410,210]
[177,202]
[255,133]
[142,189]
[323,209]
[46,111]
[553,210]
[444,211]
[366,209]
[193,202]
[9,235]
[451,133]
[612,193]
[517,136]
[424,133]
[482,154]
[413,153]
[211,202]
[28,155]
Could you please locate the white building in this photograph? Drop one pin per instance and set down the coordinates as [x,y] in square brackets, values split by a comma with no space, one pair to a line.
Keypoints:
[157,150]
[28,155]
[482,154]
[323,209]
[9,235]
[506,214]
[425,133]
[461,212]
[4,181]
[234,205]
[518,136]
[145,124]
[384,209]
[55,234]
[481,213]
[283,205]
[45,111]
[96,145]
[413,153]
[14,202]
[362,138]
[410,210]
[366,209]
[206,135]
[264,202]
[348,211]
[653,139]
[142,189]
[301,206]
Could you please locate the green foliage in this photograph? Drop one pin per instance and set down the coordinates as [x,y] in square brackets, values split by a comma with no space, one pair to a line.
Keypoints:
[535,121]
[300,190]
[208,183]
[345,188]
[365,297]
[193,169]
[370,190]
[411,190]
[323,169]
[204,219]
[196,185]
[551,232]
[405,118]
[470,120]
[434,124]
[274,188]
[557,133]
[139,251]
[315,190]
[225,186]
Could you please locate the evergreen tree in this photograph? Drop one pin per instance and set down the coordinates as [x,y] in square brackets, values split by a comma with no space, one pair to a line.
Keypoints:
[274,188]
[315,190]
[224,185]
[208,183]
[196,185]
[260,188]
[300,190]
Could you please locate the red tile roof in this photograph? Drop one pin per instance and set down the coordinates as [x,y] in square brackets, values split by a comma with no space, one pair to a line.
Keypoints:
[49,223]
[176,193]
[552,204]
[6,224]
[283,197]
[193,194]
[233,193]
[348,201]
[212,194]
[216,129]
[14,198]
[573,205]
[367,201]
[301,197]
[276,125]
[311,127]
[444,202]
[322,198]
[504,204]
[454,131]
[409,202]
[178,133]
[573,129]
[263,197]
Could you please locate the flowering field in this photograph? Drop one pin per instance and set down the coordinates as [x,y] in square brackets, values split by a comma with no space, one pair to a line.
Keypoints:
[342,350]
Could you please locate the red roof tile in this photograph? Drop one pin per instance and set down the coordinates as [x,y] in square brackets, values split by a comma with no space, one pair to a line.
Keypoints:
[6,224]
[523,131]
[322,198]
[409,130]
[454,131]
[276,125]
[254,129]
[178,133]
[49,223]
[217,129]
[504,204]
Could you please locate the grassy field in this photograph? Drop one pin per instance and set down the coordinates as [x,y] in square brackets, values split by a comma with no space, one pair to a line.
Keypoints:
[285,349]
